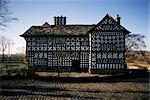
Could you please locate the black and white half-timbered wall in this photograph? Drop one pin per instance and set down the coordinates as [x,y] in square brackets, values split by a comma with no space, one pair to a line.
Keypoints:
[97,48]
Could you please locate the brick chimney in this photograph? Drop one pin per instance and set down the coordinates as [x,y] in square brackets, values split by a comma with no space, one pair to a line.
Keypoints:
[60,20]
[118,19]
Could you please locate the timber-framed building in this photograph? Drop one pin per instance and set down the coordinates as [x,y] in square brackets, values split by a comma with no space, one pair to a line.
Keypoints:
[97,48]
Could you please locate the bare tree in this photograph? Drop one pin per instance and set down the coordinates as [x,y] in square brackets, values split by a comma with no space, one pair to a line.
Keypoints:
[5,14]
[134,42]
[21,52]
[4,43]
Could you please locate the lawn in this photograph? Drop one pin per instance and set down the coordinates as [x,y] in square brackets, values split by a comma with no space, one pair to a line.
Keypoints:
[11,67]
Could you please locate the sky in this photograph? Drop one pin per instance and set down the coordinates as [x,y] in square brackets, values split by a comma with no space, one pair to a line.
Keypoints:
[134,15]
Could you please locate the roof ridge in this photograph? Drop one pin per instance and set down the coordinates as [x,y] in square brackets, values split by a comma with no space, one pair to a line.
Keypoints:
[67,25]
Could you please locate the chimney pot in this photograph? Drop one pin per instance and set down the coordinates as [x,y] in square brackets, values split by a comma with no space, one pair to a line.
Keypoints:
[59,20]
[55,20]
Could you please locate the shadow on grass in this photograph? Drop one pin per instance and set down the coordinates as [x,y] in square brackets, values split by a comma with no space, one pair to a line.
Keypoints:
[36,90]
[54,90]
[132,75]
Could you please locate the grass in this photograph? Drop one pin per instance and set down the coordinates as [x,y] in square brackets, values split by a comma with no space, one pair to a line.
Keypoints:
[138,65]
[2,65]
[116,88]
[11,67]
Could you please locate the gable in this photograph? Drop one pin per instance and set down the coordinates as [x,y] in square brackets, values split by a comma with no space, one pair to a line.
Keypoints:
[46,25]
[109,24]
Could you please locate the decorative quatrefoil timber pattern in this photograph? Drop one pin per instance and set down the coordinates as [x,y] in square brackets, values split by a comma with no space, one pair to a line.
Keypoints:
[109,24]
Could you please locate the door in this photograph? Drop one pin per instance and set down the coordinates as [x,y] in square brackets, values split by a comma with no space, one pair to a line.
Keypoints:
[76,65]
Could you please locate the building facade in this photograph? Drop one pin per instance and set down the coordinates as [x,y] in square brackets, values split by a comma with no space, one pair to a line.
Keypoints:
[97,48]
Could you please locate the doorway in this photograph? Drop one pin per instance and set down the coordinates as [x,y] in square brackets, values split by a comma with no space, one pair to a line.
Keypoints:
[76,65]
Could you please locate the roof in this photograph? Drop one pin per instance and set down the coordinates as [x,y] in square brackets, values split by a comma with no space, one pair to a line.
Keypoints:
[58,30]
[106,24]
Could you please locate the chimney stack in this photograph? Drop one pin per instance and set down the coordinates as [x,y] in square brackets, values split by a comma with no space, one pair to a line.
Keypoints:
[60,20]
[118,19]
[55,20]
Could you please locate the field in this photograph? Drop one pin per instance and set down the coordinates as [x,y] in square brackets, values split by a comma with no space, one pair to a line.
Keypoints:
[50,87]
[139,61]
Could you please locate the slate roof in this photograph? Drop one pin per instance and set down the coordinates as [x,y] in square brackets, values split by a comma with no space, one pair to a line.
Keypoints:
[106,24]
[58,30]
